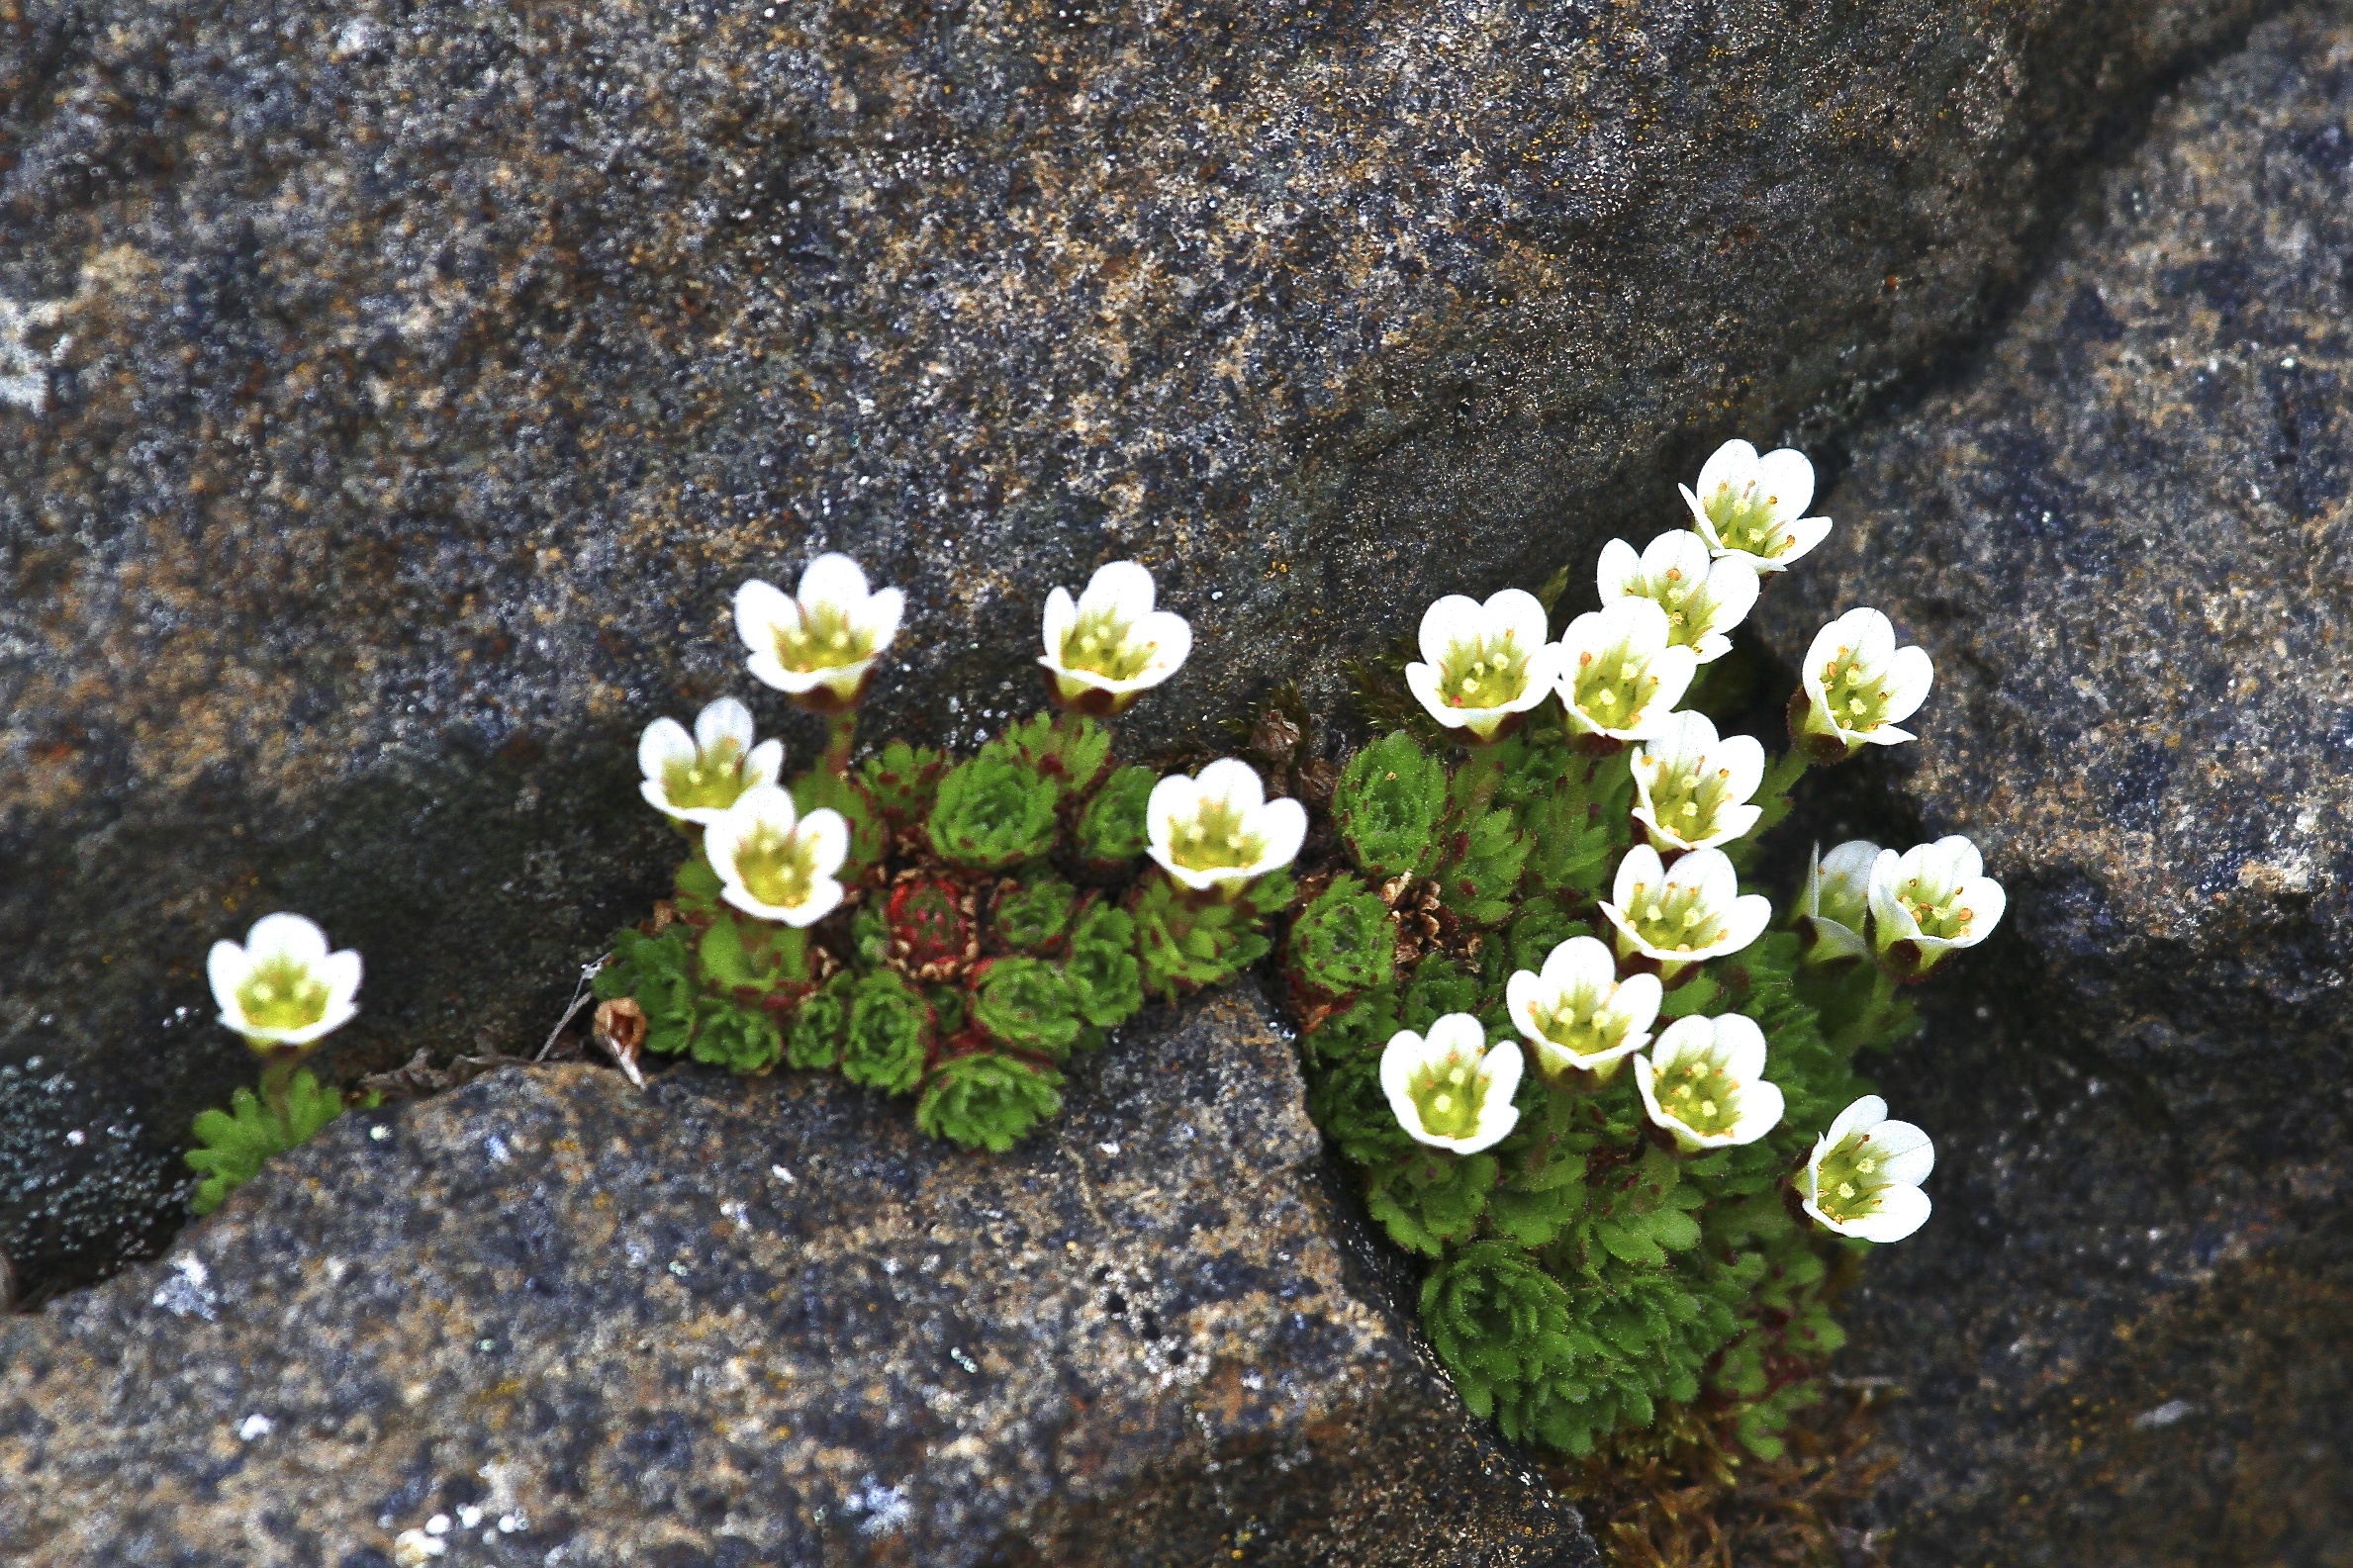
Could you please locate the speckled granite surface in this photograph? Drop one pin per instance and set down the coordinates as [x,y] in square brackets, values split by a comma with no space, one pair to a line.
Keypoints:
[763,1322]
[391,394]
[2127,536]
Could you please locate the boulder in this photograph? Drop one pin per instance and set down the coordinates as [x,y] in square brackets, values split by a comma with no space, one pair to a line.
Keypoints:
[2127,538]
[729,1322]
[390,396]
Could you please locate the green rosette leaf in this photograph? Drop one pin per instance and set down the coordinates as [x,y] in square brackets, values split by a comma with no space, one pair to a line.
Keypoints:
[1112,830]
[987,1101]
[1430,1197]
[1104,977]
[821,1024]
[1033,916]
[900,782]
[992,814]
[232,1146]
[1343,942]
[888,1035]
[658,972]
[1387,805]
[1027,1004]
[737,1038]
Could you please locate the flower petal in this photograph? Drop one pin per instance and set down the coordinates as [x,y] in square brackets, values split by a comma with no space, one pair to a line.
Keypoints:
[833,579]
[1785,482]
[1902,1211]
[228,967]
[1865,1114]
[1451,618]
[829,834]
[764,763]
[1615,576]
[1740,1047]
[724,720]
[341,971]
[1909,675]
[761,609]
[1519,616]
[664,745]
[1122,587]
[1283,828]
[292,938]
[1905,1153]
[1062,613]
[1733,464]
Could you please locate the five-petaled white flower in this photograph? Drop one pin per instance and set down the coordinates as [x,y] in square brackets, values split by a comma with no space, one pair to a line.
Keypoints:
[1864,1177]
[1577,1013]
[1692,789]
[1834,909]
[1930,900]
[1705,1083]
[1219,830]
[1449,1090]
[1703,598]
[283,987]
[1110,646]
[1484,663]
[818,647]
[1859,685]
[1748,508]
[693,778]
[1683,913]
[1620,676]
[775,862]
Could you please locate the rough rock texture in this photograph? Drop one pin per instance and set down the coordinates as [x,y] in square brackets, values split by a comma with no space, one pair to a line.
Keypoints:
[738,1322]
[390,394]
[2128,539]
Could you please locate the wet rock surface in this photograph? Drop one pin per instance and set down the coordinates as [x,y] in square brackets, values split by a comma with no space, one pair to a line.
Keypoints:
[2126,540]
[392,395]
[739,1322]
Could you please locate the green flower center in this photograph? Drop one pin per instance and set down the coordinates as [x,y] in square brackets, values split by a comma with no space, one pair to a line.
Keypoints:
[1447,1095]
[1851,1184]
[1687,606]
[1744,521]
[1938,910]
[1577,1026]
[1102,643]
[825,639]
[778,869]
[1673,918]
[1483,673]
[713,779]
[1214,839]
[1613,687]
[282,994]
[1685,802]
[1700,1094]
[1856,698]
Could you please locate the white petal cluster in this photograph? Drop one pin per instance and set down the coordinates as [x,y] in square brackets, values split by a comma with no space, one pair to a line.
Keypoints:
[1704,1082]
[1685,913]
[1219,830]
[283,987]
[1834,908]
[1749,507]
[1859,685]
[1930,900]
[1863,1178]
[1578,1014]
[1692,788]
[1703,598]
[1484,664]
[1449,1089]
[693,778]
[776,863]
[1621,673]
[1109,646]
[818,646]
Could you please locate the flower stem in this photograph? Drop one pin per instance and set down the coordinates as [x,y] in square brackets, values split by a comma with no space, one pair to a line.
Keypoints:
[1774,792]
[841,731]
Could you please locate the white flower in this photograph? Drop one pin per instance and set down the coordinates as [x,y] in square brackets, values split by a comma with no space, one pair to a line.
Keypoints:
[1932,899]
[1220,828]
[1703,598]
[1836,902]
[283,987]
[1692,789]
[819,647]
[1110,648]
[1449,1089]
[1747,506]
[776,863]
[1864,1177]
[693,778]
[1685,913]
[1704,1082]
[1619,673]
[1859,685]
[1578,1014]
[1484,663]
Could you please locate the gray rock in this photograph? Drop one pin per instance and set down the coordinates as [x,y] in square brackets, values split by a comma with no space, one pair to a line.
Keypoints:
[2125,536]
[393,394]
[739,1321]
